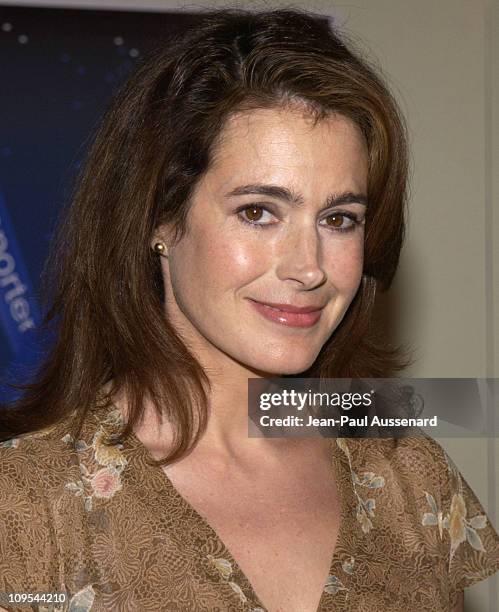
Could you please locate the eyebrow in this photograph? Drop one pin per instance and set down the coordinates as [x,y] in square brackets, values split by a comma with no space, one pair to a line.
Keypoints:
[290,196]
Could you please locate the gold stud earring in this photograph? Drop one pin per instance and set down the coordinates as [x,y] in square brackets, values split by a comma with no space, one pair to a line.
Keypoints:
[159,248]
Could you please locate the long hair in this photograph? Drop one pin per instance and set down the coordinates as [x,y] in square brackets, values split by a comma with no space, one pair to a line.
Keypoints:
[154,144]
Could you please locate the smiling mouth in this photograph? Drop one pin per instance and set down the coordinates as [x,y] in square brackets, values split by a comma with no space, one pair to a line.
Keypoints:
[291,308]
[289,315]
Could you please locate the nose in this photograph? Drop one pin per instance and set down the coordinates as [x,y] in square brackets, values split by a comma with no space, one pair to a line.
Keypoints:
[301,258]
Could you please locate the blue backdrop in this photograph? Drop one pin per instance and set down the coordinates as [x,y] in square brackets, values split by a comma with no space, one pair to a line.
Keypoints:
[58,71]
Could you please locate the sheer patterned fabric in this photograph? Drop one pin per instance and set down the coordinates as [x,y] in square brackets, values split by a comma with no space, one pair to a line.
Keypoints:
[102,525]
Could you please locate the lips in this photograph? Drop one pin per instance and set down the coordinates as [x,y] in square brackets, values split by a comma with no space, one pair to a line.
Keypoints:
[290,308]
[287,314]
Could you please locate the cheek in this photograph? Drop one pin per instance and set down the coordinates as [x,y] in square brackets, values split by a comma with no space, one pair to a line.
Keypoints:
[209,263]
[345,262]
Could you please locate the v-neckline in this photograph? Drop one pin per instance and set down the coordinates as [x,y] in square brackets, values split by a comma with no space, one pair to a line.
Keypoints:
[338,463]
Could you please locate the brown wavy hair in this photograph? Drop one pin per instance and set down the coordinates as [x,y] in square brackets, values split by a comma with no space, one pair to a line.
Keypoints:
[154,144]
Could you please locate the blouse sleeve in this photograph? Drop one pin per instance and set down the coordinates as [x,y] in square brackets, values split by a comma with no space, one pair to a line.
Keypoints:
[470,540]
[28,554]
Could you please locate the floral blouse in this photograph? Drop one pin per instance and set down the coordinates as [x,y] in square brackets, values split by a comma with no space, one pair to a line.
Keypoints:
[111,532]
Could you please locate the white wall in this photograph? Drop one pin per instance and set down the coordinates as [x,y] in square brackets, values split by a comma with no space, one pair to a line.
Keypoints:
[440,57]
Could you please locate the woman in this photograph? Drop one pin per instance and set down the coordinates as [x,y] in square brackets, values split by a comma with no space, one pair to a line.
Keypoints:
[242,202]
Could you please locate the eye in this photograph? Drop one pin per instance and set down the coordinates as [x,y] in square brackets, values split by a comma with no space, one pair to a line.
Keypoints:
[341,221]
[255,214]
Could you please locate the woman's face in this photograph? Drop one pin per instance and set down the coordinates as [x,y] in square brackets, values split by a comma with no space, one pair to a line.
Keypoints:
[275,225]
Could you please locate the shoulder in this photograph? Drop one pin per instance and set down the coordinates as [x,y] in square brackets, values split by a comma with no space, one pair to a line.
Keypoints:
[420,460]
[35,465]
[33,470]
[397,477]
[424,493]
[418,468]
[41,505]
[400,449]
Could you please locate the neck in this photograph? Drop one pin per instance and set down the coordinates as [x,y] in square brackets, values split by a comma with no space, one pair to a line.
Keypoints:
[226,434]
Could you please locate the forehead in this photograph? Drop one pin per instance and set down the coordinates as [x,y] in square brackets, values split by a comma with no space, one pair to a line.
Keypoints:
[289,142]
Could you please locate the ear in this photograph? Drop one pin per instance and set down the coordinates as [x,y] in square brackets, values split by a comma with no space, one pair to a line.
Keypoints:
[161,240]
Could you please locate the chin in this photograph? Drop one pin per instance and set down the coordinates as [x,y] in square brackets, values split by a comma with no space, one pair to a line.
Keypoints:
[296,369]
[284,365]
